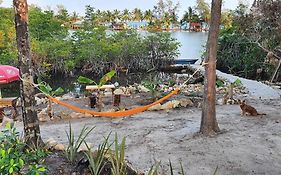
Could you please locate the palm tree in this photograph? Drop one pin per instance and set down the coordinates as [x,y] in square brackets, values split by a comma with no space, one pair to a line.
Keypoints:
[167,20]
[190,16]
[116,15]
[125,15]
[137,14]
[108,17]
[148,15]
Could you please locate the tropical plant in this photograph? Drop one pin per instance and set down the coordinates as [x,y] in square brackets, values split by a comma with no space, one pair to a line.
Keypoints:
[15,154]
[117,159]
[104,79]
[154,169]
[74,145]
[97,159]
[152,84]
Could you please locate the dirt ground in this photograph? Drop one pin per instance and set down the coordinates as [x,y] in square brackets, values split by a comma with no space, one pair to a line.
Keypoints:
[246,145]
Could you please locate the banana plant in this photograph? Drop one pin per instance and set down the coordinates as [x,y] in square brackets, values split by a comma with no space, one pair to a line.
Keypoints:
[104,79]
[48,90]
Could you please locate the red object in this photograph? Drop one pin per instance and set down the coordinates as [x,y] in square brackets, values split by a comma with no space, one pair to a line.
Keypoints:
[8,74]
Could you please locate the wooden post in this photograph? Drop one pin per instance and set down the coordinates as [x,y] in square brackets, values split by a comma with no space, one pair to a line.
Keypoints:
[30,119]
[209,125]
[276,71]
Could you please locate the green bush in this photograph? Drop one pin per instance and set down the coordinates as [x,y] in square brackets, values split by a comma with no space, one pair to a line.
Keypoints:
[14,154]
[237,55]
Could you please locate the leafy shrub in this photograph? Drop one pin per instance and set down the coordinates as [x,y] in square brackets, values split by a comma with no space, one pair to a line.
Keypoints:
[237,55]
[14,155]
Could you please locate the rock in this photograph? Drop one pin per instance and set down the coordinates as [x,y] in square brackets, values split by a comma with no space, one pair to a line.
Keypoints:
[43,115]
[40,101]
[107,94]
[156,107]
[63,115]
[167,106]
[141,88]
[111,110]
[185,102]
[76,115]
[83,146]
[118,92]
[88,115]
[132,89]
[66,96]
[5,121]
[40,95]
[51,142]
[220,101]
[176,103]
[59,147]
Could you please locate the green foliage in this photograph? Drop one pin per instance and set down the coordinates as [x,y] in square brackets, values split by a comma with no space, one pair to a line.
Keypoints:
[154,169]
[35,169]
[73,145]
[220,83]
[47,89]
[171,167]
[85,80]
[152,84]
[104,79]
[8,53]
[118,158]
[97,160]
[14,155]
[237,82]
[11,151]
[237,55]
[216,170]
[44,25]
[182,171]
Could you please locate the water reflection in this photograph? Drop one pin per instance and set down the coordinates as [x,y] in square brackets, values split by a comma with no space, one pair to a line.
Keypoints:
[192,43]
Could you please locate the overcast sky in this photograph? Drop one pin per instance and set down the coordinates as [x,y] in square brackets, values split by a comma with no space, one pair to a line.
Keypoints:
[79,5]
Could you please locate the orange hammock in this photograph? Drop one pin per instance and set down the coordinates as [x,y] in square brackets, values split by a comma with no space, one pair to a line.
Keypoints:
[117,113]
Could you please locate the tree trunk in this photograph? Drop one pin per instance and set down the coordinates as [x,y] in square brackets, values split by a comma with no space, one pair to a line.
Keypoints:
[209,123]
[30,119]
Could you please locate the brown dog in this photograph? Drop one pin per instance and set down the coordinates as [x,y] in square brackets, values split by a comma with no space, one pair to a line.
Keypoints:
[247,109]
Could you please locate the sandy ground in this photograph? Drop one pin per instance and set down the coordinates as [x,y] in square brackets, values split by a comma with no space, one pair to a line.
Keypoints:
[247,145]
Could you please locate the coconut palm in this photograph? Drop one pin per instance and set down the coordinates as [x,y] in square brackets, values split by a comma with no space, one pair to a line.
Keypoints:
[108,16]
[125,15]
[137,15]
[116,15]
[148,15]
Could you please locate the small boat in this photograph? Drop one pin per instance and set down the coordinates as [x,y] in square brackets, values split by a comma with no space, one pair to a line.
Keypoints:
[185,60]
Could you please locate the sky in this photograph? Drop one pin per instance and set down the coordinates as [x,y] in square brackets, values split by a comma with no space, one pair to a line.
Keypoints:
[79,5]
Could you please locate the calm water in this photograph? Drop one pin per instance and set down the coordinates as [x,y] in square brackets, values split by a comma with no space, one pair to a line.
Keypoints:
[192,46]
[192,43]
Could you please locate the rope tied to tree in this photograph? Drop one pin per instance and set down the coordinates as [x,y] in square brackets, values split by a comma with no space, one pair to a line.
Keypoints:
[115,114]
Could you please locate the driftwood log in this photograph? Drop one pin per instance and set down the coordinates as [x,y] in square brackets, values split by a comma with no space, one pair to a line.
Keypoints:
[184,69]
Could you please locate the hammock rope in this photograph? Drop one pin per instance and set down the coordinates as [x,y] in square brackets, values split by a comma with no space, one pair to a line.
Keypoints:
[116,113]
[119,113]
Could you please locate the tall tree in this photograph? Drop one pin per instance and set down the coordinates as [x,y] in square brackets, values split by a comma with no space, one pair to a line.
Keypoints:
[137,14]
[148,15]
[30,119]
[209,123]
[203,9]
[125,15]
